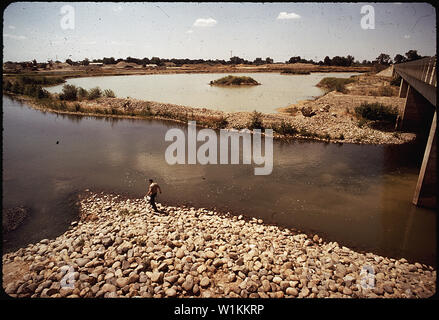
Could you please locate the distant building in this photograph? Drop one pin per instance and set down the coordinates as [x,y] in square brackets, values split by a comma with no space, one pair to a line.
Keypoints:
[169,64]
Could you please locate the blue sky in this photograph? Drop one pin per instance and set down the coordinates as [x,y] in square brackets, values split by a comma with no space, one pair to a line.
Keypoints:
[213,30]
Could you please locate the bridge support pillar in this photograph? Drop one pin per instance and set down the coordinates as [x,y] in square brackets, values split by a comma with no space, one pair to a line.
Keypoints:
[426,188]
[403,88]
[413,116]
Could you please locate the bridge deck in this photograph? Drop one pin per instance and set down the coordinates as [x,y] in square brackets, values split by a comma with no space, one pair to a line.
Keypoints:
[421,75]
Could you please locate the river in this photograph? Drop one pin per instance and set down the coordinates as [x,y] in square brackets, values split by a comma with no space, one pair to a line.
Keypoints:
[358,195]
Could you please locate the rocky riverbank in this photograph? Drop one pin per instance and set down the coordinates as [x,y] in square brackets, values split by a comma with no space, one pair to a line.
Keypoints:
[120,249]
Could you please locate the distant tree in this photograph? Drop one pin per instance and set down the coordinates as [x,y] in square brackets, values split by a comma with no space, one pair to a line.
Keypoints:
[258,61]
[85,62]
[135,60]
[294,59]
[269,60]
[399,58]
[412,55]
[236,60]
[383,59]
[350,60]
[108,60]
[69,61]
[157,61]
[327,61]
[34,62]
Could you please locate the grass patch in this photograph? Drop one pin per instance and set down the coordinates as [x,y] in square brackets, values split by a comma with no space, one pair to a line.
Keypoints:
[108,93]
[290,71]
[285,128]
[256,121]
[40,80]
[386,91]
[234,81]
[332,83]
[94,93]
[376,112]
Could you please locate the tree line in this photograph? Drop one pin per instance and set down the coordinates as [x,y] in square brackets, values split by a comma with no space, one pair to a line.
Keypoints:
[349,60]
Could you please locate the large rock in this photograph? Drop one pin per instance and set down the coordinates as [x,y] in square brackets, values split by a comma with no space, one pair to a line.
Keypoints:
[14,217]
[308,111]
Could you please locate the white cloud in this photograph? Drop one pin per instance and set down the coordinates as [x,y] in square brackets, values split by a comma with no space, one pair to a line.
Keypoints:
[407,36]
[291,15]
[201,22]
[190,31]
[12,36]
[11,27]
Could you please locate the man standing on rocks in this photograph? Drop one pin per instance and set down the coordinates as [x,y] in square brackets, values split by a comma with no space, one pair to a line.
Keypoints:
[152,193]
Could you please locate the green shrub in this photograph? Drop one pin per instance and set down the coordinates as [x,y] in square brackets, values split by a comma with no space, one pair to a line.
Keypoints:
[221,123]
[30,90]
[386,91]
[305,133]
[69,92]
[332,83]
[39,80]
[396,81]
[291,71]
[94,93]
[17,88]
[256,121]
[286,128]
[43,93]
[376,111]
[7,85]
[82,93]
[144,112]
[62,106]
[234,80]
[108,93]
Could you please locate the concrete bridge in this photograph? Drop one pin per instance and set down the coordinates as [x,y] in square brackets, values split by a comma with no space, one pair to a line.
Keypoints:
[418,86]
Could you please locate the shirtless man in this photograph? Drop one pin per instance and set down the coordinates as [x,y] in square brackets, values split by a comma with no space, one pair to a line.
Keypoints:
[152,193]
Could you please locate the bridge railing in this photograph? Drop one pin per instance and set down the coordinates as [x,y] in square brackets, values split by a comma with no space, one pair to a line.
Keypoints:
[422,69]
[421,74]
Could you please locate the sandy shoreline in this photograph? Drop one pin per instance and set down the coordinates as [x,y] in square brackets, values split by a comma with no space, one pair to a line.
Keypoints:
[120,249]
